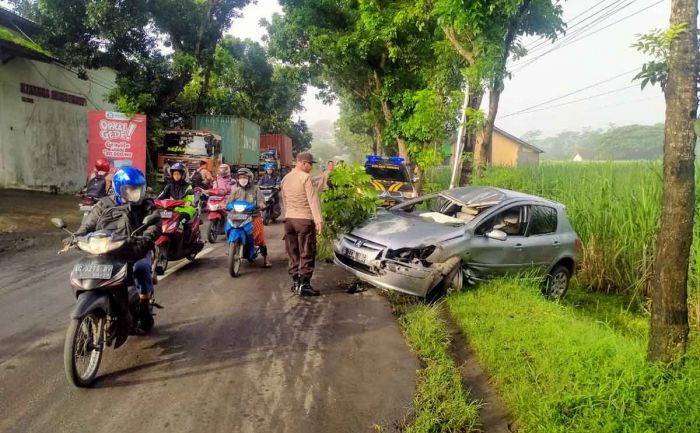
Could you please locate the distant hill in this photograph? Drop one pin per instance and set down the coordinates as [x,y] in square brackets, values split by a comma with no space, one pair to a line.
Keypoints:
[630,142]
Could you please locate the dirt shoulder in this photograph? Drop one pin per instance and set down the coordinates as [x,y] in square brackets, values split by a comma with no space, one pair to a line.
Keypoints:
[25,218]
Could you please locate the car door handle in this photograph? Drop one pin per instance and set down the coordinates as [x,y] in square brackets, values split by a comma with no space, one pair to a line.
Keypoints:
[519,247]
[556,244]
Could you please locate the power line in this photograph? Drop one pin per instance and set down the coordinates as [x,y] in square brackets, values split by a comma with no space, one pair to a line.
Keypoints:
[569,42]
[574,92]
[535,46]
[609,92]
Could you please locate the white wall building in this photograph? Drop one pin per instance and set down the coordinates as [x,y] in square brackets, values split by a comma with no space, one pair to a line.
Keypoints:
[43,112]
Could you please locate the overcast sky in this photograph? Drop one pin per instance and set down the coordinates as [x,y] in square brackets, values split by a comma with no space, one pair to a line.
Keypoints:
[593,59]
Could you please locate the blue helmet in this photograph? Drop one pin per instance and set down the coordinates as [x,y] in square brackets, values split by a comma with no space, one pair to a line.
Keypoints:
[269,166]
[129,185]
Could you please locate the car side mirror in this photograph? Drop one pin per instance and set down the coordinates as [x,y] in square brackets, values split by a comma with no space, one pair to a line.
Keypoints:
[498,235]
[58,223]
[150,219]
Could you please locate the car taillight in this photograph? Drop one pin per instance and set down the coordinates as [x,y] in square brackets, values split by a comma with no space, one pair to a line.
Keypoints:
[578,245]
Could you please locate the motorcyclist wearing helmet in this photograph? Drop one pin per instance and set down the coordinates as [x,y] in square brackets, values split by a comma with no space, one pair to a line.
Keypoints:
[121,212]
[179,189]
[270,177]
[100,181]
[248,191]
[224,180]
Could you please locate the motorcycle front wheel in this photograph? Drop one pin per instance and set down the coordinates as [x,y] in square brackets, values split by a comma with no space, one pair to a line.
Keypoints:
[213,231]
[161,261]
[235,256]
[83,348]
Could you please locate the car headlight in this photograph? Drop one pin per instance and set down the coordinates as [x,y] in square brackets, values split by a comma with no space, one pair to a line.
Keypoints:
[410,255]
[239,207]
[410,194]
[99,245]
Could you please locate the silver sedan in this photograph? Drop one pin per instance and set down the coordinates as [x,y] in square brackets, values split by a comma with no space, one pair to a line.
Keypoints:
[441,241]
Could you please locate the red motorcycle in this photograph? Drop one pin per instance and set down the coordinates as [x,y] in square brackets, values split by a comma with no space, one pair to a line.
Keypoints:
[179,239]
[216,208]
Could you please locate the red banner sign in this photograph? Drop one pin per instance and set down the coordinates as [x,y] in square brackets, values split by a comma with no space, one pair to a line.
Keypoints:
[119,139]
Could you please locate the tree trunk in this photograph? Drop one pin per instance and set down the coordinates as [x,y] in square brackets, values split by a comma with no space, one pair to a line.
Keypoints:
[403,150]
[669,312]
[486,155]
[378,150]
[475,97]
[204,91]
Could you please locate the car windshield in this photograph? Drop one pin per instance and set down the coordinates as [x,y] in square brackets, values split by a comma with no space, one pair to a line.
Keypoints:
[443,209]
[396,173]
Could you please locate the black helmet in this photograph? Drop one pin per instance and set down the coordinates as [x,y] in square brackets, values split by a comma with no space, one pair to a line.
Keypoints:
[178,166]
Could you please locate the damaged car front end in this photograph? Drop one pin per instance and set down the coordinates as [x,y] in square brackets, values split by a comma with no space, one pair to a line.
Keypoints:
[399,263]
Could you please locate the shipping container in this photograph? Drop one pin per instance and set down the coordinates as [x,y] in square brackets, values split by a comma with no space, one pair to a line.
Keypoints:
[281,143]
[240,138]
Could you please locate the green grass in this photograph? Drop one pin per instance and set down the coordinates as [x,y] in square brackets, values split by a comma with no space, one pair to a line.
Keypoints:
[574,367]
[17,39]
[615,208]
[441,404]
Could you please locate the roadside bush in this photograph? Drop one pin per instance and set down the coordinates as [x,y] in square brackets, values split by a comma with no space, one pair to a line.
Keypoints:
[560,370]
[348,202]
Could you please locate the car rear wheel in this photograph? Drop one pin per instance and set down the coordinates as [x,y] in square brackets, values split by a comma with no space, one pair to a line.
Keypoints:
[557,283]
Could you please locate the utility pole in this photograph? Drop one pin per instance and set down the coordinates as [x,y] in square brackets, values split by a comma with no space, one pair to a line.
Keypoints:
[669,309]
[457,149]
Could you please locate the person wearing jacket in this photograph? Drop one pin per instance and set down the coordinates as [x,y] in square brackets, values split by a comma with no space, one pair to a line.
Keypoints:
[122,212]
[248,191]
[269,179]
[179,189]
[224,181]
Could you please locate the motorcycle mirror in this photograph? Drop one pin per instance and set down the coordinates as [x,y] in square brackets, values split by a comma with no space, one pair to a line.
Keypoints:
[150,219]
[58,223]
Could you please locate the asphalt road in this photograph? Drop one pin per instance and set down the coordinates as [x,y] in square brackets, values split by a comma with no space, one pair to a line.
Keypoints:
[227,355]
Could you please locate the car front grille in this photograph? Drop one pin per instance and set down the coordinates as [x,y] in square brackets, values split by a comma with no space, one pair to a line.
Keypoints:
[355,265]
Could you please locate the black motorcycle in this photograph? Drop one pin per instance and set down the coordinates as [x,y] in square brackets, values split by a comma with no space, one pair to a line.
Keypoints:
[272,210]
[107,302]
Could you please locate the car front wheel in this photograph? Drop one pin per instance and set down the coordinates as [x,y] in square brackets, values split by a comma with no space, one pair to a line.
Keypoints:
[557,283]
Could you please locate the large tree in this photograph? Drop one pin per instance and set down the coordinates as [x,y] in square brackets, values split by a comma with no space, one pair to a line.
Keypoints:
[484,32]
[669,309]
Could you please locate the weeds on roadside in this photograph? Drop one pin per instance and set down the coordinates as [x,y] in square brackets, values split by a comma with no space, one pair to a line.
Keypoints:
[441,403]
[562,369]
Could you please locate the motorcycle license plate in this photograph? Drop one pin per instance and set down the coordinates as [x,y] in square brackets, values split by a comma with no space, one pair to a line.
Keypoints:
[166,214]
[237,217]
[354,255]
[100,272]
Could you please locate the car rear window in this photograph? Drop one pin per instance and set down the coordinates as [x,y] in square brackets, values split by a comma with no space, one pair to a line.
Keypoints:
[394,173]
[543,220]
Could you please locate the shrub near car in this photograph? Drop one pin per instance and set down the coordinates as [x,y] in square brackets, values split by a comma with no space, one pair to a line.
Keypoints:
[462,234]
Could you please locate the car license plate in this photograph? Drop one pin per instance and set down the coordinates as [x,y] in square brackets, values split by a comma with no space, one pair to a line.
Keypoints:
[166,214]
[354,255]
[100,272]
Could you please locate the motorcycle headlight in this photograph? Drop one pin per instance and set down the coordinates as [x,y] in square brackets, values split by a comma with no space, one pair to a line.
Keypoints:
[98,245]
[239,207]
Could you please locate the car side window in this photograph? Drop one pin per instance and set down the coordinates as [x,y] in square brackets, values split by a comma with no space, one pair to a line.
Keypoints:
[543,220]
[512,221]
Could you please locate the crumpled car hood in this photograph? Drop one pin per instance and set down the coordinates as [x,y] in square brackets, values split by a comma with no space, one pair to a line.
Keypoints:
[405,231]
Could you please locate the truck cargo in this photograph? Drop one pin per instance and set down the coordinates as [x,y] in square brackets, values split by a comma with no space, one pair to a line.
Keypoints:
[281,145]
[188,147]
[240,138]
